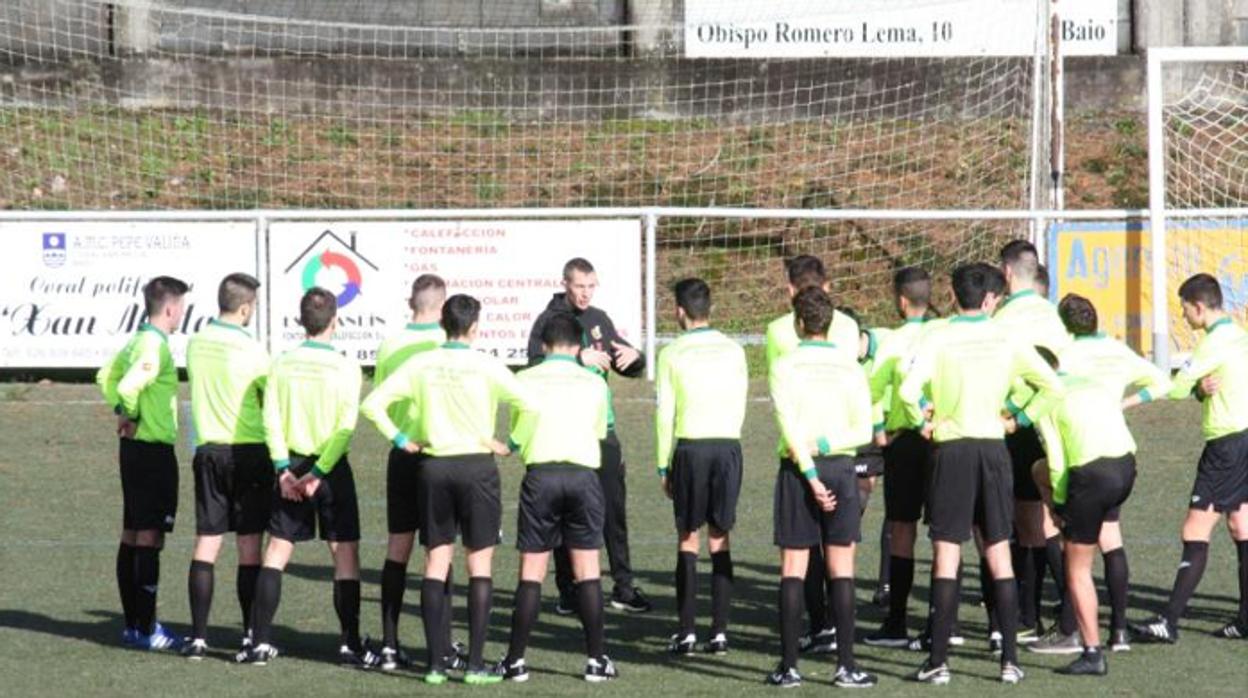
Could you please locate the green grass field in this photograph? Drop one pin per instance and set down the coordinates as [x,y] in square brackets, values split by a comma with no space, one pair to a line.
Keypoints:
[60,617]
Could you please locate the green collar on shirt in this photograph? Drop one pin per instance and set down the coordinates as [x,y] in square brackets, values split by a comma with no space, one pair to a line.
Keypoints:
[455,345]
[699,330]
[816,343]
[560,357]
[1021,294]
[1094,335]
[149,327]
[978,317]
[419,326]
[317,345]
[1219,323]
[916,320]
[228,325]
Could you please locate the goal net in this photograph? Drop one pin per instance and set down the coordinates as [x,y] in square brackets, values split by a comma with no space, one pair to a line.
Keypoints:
[400,104]
[1204,138]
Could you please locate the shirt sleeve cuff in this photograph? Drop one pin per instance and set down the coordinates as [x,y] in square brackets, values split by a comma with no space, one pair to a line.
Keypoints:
[318,473]
[824,447]
[1146,396]
[662,472]
[877,428]
[117,410]
[1013,409]
[280,465]
[924,403]
[1022,419]
[401,441]
[512,445]
[810,473]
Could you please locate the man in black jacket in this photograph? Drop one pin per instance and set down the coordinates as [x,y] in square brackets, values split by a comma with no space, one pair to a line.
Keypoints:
[603,351]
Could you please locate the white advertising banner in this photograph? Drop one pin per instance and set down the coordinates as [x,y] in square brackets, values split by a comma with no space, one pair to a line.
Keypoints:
[874,28]
[71,294]
[512,266]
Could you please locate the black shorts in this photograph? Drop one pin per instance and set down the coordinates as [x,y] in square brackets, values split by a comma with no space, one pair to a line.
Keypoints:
[460,494]
[869,462]
[907,469]
[233,488]
[334,509]
[1222,476]
[149,485]
[1094,493]
[403,491]
[797,519]
[561,504]
[706,482]
[972,484]
[1025,449]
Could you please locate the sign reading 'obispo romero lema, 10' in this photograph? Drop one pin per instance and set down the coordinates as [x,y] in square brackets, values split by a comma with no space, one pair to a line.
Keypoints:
[889,28]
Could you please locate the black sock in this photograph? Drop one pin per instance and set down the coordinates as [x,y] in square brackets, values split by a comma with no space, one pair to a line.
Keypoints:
[1116,572]
[1057,565]
[199,590]
[722,576]
[523,616]
[245,584]
[347,605]
[146,586]
[902,576]
[791,618]
[448,612]
[944,607]
[480,600]
[812,585]
[432,610]
[264,607]
[886,544]
[589,605]
[1191,569]
[687,591]
[1007,592]
[1067,624]
[990,601]
[1025,573]
[843,601]
[125,582]
[1241,547]
[393,584]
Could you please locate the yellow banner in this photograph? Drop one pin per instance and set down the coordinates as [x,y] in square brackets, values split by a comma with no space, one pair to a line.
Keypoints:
[1111,265]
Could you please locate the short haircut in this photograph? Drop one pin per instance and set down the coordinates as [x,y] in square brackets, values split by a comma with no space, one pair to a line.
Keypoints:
[1078,315]
[694,297]
[158,292]
[1021,258]
[235,290]
[813,308]
[994,280]
[1049,357]
[561,330]
[317,309]
[1202,289]
[459,313]
[577,264]
[428,292]
[970,285]
[914,284]
[1042,279]
[806,270]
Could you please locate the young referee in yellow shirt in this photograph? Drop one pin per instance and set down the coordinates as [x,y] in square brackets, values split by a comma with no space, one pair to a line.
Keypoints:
[1221,486]
[702,384]
[141,385]
[226,368]
[422,334]
[561,498]
[311,402]
[968,366]
[454,392]
[823,406]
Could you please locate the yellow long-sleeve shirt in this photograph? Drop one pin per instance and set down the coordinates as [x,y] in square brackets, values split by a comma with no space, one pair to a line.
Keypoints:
[1223,352]
[822,403]
[227,369]
[1085,425]
[568,417]
[311,404]
[141,382]
[702,384]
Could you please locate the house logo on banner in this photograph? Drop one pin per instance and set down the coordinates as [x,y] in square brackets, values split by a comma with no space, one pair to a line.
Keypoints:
[334,271]
[54,254]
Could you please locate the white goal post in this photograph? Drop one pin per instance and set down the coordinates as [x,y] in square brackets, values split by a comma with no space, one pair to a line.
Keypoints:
[1198,167]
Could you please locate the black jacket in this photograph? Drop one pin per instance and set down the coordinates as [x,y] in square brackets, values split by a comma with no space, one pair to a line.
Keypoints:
[597,331]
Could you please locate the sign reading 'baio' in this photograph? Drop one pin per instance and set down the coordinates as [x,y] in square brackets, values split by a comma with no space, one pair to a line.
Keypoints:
[71,294]
[879,28]
[512,267]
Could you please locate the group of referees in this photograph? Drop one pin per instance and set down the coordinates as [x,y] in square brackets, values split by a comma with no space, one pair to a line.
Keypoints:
[1001,423]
